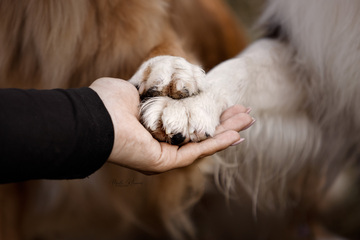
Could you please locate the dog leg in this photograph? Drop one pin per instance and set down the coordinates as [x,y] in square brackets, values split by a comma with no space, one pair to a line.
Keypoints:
[194,116]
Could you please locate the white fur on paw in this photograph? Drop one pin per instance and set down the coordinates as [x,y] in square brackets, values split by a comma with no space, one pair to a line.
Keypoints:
[169,76]
[179,121]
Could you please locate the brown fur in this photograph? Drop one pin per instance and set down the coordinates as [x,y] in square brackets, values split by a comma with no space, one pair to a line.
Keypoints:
[70,43]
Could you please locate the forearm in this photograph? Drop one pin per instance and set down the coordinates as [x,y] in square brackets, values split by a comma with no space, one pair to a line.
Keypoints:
[52,134]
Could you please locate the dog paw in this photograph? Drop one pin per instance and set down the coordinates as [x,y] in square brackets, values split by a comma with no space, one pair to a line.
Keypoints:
[168,76]
[171,109]
[179,121]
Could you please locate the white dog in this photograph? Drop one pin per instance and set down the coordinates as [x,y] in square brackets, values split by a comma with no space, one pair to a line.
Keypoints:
[303,83]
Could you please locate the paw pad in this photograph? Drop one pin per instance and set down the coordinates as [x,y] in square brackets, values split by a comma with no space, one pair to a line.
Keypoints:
[177,139]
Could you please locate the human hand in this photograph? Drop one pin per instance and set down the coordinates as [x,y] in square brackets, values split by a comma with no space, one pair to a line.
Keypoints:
[135,148]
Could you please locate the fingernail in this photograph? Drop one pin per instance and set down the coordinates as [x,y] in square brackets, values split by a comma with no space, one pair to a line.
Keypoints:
[248,110]
[250,124]
[238,142]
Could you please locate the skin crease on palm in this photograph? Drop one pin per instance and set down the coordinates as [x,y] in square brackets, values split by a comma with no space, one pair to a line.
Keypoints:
[135,148]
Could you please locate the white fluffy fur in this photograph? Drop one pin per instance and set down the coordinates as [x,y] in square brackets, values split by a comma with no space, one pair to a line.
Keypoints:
[305,99]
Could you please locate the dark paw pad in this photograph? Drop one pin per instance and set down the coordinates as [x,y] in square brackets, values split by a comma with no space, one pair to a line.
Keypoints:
[177,139]
[152,92]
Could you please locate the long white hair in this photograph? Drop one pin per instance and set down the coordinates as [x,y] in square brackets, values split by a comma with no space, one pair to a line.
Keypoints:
[303,85]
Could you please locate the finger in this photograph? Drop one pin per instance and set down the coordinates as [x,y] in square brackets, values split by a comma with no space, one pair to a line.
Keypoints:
[231,111]
[238,122]
[188,153]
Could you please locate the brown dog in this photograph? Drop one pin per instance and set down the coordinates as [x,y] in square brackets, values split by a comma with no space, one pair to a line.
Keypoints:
[66,44]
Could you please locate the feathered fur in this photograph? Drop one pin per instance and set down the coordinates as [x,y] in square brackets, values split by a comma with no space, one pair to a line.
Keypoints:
[303,84]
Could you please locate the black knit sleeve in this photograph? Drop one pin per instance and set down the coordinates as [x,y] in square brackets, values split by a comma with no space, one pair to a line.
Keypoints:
[52,134]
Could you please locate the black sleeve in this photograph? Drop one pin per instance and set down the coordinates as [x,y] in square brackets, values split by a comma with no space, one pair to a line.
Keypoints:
[52,134]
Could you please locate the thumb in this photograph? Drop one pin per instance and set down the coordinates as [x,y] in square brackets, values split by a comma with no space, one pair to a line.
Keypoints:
[188,153]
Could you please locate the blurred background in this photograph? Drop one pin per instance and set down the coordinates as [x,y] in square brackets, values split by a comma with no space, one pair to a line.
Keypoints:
[247,12]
